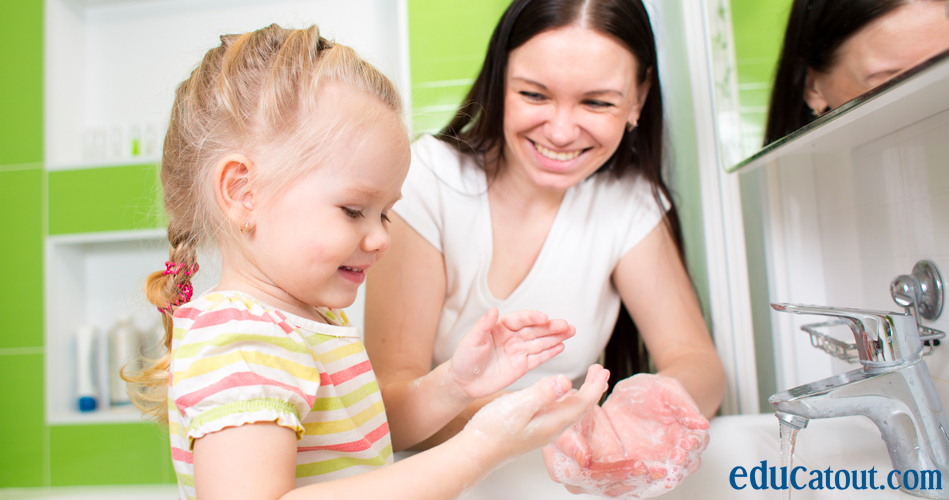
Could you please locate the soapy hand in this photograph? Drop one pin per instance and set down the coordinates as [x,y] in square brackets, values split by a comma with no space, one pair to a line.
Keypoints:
[496,352]
[645,439]
[525,420]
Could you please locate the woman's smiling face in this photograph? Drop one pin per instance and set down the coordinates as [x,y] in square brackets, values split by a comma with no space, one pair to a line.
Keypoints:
[569,94]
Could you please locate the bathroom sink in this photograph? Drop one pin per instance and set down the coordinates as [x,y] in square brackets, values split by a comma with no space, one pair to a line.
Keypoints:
[851,443]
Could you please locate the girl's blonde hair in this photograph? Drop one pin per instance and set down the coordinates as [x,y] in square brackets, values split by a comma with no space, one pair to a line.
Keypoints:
[254,94]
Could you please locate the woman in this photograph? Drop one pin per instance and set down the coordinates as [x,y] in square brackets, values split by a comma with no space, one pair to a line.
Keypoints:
[543,193]
[835,50]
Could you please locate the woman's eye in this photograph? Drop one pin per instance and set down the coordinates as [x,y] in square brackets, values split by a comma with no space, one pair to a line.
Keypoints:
[599,104]
[353,213]
[533,96]
[385,218]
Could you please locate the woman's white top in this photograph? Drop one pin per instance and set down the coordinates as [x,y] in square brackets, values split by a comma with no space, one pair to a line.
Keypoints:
[599,220]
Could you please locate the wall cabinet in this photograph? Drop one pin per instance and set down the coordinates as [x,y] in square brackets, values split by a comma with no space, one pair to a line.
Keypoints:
[849,203]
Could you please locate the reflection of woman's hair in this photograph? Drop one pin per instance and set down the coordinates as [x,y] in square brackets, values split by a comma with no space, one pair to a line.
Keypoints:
[478,127]
[816,29]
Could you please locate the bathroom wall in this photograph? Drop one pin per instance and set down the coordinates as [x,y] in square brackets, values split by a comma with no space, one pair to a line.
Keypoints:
[847,223]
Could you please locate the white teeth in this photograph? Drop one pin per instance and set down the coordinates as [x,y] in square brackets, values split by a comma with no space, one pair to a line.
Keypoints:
[353,269]
[553,155]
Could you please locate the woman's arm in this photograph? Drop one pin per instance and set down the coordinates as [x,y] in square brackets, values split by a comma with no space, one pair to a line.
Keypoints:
[405,292]
[655,287]
[258,461]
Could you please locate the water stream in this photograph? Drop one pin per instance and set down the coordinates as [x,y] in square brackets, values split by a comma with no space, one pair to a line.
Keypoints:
[788,437]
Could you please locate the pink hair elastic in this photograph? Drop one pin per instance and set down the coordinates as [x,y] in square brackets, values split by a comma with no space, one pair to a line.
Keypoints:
[176,267]
[185,290]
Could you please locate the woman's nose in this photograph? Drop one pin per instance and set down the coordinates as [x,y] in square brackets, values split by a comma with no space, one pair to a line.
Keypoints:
[562,127]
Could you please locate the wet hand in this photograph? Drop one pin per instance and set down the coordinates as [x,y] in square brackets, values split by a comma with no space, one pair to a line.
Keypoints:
[528,419]
[647,437]
[497,352]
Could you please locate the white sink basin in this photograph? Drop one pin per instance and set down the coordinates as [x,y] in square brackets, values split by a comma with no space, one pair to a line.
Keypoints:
[851,443]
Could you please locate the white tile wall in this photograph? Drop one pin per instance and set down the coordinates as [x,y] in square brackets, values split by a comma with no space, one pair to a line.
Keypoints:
[880,208]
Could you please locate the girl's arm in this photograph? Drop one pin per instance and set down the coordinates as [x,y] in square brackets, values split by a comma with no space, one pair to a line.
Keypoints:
[407,290]
[258,461]
[656,290]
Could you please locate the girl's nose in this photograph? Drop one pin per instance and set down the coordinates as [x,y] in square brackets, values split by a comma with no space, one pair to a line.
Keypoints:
[377,240]
[562,127]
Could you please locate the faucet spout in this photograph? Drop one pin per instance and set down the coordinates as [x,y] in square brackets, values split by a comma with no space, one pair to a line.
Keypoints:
[902,402]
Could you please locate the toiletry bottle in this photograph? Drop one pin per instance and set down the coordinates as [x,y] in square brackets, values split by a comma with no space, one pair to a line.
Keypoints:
[123,349]
[86,390]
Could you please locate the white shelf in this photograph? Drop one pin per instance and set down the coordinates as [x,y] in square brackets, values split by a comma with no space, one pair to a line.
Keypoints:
[92,279]
[137,160]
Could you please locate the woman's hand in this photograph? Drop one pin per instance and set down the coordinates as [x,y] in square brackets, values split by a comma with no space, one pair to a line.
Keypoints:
[647,437]
[495,353]
[528,419]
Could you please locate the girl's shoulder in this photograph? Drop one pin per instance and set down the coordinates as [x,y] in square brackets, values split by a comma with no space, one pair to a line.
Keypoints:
[217,312]
[229,312]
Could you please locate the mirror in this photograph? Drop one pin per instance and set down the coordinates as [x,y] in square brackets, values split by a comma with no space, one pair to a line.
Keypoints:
[797,60]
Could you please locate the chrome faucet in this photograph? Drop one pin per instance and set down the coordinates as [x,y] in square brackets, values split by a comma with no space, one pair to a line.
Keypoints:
[893,388]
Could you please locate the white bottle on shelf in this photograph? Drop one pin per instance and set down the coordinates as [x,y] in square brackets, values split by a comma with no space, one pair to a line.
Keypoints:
[123,349]
[85,347]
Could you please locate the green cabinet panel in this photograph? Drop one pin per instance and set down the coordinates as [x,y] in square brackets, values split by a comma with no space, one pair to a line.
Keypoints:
[21,251]
[22,429]
[135,453]
[21,82]
[104,199]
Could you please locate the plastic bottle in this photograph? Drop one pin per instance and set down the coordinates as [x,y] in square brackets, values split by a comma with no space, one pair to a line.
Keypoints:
[86,393]
[123,349]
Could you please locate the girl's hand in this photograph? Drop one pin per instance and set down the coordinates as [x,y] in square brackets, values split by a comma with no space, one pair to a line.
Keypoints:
[521,421]
[495,353]
[647,437]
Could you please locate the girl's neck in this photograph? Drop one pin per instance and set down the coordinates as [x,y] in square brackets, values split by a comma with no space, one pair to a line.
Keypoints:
[239,275]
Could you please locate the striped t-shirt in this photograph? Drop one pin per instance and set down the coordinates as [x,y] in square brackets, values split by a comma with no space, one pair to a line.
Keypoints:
[236,361]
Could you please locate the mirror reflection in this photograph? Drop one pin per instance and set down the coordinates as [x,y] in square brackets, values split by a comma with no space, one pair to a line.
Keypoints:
[836,50]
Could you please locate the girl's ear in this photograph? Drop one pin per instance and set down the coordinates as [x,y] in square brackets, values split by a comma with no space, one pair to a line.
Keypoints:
[642,92]
[233,188]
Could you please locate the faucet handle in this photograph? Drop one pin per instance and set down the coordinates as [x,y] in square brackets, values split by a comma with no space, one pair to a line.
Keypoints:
[883,339]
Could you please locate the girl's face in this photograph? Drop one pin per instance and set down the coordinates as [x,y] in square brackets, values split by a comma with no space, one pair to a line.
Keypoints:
[317,240]
[569,94]
[881,50]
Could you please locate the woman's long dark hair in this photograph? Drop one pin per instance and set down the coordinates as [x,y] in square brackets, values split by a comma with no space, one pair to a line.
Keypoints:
[816,29]
[478,127]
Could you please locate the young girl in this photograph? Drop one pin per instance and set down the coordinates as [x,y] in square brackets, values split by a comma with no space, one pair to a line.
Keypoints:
[287,151]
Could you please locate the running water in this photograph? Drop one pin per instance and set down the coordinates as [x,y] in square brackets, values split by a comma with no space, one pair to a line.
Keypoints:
[788,437]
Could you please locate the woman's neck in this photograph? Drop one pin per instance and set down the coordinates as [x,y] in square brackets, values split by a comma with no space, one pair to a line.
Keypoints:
[512,185]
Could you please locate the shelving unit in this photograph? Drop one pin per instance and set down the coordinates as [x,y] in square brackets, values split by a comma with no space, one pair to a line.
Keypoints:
[92,279]
[114,64]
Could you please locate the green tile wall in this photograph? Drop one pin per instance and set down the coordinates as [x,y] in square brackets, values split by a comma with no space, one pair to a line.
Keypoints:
[21,252]
[447,44]
[104,199]
[759,34]
[22,428]
[21,82]
[109,454]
